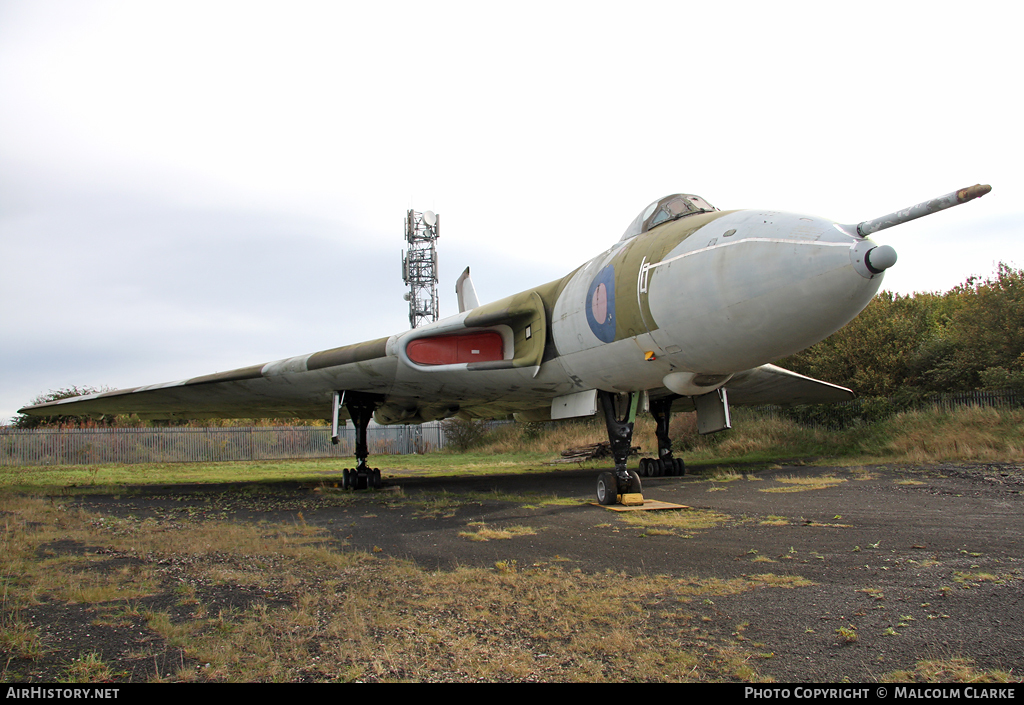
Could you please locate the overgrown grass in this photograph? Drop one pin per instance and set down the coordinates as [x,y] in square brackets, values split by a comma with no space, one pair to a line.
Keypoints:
[968,433]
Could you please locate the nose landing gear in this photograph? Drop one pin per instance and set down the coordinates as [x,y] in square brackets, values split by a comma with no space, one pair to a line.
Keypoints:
[622,486]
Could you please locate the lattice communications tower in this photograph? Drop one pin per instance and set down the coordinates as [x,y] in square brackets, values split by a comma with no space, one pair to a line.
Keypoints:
[419,266]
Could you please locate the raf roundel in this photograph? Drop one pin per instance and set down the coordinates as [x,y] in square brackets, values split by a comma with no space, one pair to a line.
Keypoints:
[601,305]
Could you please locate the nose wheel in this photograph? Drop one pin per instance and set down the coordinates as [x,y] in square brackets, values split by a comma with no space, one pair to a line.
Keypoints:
[611,490]
[607,488]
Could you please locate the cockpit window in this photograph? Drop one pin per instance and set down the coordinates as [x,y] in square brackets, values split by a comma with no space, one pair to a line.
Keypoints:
[669,208]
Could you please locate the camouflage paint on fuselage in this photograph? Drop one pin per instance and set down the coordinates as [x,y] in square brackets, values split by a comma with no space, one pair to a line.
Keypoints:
[605,294]
[632,306]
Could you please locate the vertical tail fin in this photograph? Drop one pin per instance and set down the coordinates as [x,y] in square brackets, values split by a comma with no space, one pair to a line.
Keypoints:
[466,292]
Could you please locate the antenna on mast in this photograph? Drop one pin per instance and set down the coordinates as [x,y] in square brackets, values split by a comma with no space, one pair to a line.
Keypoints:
[419,266]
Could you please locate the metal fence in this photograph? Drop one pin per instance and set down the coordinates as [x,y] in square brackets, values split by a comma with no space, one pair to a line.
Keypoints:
[89,446]
[841,415]
[1003,399]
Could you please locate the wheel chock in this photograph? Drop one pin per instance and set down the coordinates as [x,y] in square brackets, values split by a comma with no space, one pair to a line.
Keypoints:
[633,499]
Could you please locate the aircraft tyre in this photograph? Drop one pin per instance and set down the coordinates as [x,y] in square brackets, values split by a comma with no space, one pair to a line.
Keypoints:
[662,467]
[607,488]
[653,467]
[375,479]
[346,479]
[635,486]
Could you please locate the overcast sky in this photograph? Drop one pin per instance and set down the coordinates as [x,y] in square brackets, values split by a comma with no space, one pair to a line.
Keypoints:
[190,187]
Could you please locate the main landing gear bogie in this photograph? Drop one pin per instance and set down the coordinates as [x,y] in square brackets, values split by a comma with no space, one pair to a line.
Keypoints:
[360,408]
[662,467]
[354,479]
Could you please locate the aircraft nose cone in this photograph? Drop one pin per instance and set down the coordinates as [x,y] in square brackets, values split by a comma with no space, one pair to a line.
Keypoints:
[776,284]
[879,259]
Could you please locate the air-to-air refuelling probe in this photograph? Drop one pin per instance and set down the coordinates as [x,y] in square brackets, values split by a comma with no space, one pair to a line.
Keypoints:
[685,312]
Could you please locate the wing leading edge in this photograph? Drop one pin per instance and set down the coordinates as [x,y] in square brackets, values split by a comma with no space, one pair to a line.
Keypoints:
[769,384]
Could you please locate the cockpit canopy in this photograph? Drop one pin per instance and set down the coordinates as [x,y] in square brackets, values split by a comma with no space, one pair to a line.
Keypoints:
[678,205]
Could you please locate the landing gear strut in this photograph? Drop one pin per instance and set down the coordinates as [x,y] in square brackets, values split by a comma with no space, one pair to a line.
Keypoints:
[619,416]
[664,464]
[360,408]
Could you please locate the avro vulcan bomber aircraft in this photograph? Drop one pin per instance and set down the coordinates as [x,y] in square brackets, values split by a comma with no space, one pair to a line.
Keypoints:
[685,312]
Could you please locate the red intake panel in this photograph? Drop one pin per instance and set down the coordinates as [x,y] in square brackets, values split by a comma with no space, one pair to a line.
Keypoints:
[451,349]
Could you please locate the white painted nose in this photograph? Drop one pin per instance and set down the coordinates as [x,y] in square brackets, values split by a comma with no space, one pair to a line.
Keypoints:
[777,285]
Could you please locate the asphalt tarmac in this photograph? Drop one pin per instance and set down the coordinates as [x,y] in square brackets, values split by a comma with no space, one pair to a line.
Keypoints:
[919,564]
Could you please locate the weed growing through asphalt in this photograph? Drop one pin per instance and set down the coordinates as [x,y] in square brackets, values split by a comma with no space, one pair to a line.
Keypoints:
[950,669]
[89,668]
[445,505]
[799,483]
[19,638]
[487,533]
[847,634]
[681,522]
[436,505]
